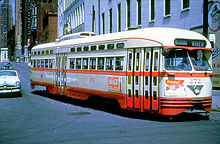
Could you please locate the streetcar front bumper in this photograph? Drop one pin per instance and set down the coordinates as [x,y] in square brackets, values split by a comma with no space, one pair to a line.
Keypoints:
[174,106]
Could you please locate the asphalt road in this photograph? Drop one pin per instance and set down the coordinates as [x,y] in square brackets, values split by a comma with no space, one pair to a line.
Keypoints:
[38,118]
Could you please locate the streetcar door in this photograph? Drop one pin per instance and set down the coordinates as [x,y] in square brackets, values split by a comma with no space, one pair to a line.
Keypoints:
[151,79]
[134,79]
[60,76]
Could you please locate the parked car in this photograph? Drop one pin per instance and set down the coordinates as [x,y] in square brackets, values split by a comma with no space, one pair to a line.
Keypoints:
[6,65]
[9,83]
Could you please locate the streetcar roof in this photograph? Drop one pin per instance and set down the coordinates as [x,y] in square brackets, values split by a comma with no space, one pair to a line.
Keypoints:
[45,45]
[148,37]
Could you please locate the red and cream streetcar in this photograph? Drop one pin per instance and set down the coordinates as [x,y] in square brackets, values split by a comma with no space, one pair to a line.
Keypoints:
[157,70]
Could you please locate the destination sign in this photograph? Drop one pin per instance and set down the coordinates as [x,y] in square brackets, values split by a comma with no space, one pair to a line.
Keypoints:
[188,42]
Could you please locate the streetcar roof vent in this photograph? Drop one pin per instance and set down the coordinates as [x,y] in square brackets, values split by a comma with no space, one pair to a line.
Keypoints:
[77,35]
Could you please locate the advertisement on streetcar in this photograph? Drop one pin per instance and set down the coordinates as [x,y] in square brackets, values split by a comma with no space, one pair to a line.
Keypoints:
[175,87]
[114,84]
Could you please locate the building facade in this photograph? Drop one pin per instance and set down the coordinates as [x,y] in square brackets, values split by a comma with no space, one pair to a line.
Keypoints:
[18,29]
[6,23]
[46,30]
[71,17]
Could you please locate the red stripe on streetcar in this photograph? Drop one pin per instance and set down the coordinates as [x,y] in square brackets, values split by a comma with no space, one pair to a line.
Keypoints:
[129,73]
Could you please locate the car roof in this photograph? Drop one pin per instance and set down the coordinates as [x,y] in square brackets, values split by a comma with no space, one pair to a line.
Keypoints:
[8,70]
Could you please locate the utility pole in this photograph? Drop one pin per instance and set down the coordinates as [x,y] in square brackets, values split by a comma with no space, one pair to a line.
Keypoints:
[205,18]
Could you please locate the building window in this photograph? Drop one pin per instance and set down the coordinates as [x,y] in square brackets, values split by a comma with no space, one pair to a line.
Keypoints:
[128,13]
[103,23]
[93,18]
[110,20]
[152,10]
[119,17]
[166,7]
[139,12]
[185,5]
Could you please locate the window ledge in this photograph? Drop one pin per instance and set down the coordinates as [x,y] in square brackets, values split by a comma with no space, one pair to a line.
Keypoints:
[167,16]
[151,21]
[185,9]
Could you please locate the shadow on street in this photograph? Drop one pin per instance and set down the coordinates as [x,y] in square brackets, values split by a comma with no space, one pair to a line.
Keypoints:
[113,107]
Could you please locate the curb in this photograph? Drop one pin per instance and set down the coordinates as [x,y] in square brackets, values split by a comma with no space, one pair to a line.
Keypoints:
[216,110]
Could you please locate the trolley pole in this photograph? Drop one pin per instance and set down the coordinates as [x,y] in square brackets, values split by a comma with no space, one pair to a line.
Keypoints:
[205,18]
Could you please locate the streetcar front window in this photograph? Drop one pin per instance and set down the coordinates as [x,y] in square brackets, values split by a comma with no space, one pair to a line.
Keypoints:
[177,60]
[199,60]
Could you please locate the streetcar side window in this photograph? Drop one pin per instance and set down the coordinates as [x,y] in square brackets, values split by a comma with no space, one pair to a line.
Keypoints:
[50,63]
[130,62]
[119,61]
[93,48]
[42,63]
[72,49]
[78,63]
[120,45]
[92,63]
[109,63]
[137,61]
[34,63]
[79,49]
[46,63]
[101,47]
[85,63]
[110,46]
[147,61]
[86,48]
[101,63]
[155,61]
[72,63]
[38,63]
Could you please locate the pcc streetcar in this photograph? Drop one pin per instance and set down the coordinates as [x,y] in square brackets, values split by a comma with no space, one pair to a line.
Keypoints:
[157,70]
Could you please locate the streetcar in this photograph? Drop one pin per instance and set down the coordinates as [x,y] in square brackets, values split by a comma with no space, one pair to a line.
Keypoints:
[165,71]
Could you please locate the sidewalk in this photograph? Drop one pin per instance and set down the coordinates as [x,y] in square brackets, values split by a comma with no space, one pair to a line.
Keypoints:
[216,100]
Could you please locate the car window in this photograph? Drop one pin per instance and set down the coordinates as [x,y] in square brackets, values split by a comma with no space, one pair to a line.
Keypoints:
[8,73]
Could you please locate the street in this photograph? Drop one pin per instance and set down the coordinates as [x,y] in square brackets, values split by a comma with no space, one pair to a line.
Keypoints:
[47,119]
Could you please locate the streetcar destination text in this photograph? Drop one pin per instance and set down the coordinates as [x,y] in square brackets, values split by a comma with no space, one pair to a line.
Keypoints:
[187,42]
